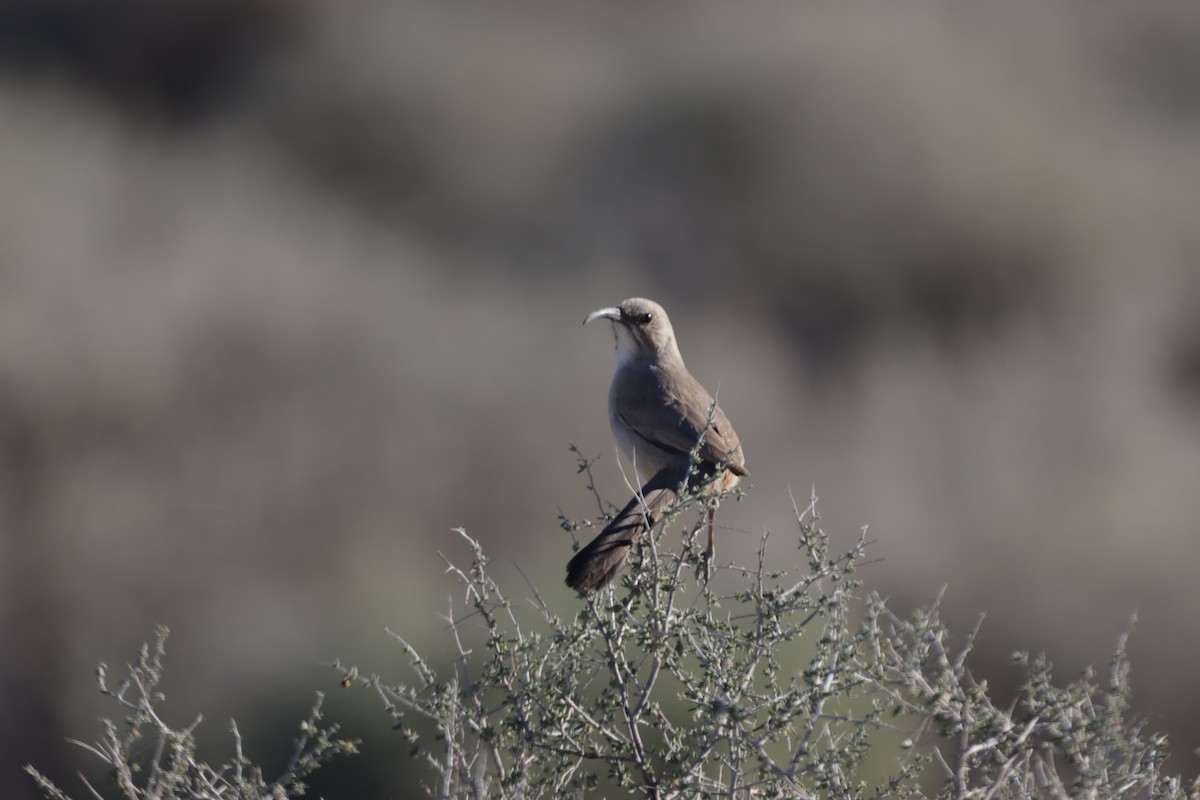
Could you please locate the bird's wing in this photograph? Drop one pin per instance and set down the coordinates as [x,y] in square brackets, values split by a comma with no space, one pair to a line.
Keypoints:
[672,411]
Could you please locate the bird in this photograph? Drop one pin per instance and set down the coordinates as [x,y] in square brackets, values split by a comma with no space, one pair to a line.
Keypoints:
[659,414]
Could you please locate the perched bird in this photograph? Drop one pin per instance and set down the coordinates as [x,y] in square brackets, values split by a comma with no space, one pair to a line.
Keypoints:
[658,413]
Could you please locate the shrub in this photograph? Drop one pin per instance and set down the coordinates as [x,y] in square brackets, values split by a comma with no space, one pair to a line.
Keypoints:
[169,767]
[661,686]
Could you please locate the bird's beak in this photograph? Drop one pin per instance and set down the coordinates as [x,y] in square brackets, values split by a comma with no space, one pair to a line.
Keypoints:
[612,313]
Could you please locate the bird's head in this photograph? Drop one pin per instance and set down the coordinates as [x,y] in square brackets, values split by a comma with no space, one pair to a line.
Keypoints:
[641,328]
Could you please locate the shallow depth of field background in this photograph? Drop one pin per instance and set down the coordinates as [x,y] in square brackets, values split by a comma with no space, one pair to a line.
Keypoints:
[289,290]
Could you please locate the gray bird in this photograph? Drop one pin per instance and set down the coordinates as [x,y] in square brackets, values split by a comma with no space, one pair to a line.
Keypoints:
[658,413]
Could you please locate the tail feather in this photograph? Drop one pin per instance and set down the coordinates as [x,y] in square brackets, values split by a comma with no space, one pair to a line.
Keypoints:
[597,563]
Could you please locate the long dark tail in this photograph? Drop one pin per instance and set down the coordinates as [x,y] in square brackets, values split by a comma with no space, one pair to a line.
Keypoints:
[598,562]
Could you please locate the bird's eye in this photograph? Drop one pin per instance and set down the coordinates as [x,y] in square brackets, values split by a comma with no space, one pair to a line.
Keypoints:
[644,319]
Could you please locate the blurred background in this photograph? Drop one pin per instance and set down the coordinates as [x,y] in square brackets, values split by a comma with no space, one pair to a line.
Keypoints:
[288,290]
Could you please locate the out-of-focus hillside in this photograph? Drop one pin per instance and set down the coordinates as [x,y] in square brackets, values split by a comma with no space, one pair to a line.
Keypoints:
[287,291]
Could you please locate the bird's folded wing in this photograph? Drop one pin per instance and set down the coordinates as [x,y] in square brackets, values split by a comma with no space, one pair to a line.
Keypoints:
[676,425]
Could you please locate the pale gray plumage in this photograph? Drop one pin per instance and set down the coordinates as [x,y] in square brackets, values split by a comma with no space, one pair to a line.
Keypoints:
[658,412]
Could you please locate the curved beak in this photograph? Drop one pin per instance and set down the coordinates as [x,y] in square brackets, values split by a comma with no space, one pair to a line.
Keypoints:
[611,312]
